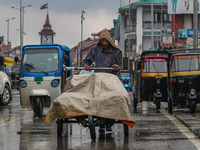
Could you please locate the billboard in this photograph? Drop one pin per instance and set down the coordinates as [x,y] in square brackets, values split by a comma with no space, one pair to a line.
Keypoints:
[186,33]
[181,6]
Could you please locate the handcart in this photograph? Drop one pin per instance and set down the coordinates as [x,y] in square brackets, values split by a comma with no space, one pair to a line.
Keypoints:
[90,116]
[88,121]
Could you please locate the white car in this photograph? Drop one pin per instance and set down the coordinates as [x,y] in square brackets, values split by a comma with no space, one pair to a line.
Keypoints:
[5,89]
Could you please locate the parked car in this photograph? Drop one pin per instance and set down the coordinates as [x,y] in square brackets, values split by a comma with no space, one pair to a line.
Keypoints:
[5,89]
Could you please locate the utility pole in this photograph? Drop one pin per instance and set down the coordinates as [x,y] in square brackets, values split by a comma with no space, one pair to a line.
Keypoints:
[21,28]
[195,23]
[129,41]
[152,29]
[8,42]
[82,18]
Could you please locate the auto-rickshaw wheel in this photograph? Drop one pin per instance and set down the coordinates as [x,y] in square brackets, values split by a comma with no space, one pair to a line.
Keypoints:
[59,127]
[91,126]
[192,107]
[169,105]
[157,104]
[126,131]
[135,101]
[38,108]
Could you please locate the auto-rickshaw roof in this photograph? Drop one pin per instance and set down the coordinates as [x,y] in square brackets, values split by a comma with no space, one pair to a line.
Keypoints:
[153,53]
[183,51]
[63,47]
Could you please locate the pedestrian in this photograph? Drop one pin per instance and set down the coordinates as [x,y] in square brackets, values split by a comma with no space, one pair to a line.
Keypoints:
[105,54]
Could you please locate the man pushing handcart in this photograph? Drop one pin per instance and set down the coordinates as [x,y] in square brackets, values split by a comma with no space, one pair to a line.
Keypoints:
[97,99]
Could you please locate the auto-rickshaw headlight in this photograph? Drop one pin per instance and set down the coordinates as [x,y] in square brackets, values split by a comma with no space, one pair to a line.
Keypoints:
[192,91]
[23,83]
[55,82]
[158,91]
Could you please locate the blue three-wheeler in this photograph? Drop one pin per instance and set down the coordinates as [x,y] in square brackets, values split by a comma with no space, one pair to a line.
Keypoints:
[42,75]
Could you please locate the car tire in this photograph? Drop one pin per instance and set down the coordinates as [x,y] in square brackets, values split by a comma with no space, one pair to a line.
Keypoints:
[6,97]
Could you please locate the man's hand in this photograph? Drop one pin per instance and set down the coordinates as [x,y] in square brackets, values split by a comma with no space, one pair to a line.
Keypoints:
[87,68]
[115,66]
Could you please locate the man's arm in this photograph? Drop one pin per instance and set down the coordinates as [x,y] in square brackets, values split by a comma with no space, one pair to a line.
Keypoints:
[118,60]
[89,59]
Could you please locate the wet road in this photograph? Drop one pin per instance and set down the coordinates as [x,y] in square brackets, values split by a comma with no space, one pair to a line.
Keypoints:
[153,130]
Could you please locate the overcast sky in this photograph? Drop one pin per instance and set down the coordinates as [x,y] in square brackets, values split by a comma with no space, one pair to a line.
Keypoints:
[65,18]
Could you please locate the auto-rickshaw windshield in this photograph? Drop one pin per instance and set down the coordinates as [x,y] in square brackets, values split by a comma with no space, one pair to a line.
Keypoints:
[40,60]
[155,65]
[185,63]
[125,74]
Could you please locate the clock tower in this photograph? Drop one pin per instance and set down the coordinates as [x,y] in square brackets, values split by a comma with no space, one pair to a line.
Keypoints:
[47,34]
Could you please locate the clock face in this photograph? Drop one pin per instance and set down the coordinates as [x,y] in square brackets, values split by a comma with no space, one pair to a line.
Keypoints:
[47,39]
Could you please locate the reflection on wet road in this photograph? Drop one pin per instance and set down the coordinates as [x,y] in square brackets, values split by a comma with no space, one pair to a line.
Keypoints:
[153,130]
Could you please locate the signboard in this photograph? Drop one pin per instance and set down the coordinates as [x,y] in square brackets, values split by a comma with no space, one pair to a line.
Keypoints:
[186,33]
[167,40]
[190,43]
[1,39]
[181,6]
[182,33]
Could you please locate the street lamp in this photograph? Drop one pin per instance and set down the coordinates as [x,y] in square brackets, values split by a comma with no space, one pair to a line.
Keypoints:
[152,29]
[195,23]
[21,9]
[82,18]
[8,42]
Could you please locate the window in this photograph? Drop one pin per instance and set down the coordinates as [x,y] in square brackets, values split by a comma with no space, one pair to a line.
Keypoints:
[166,17]
[155,65]
[185,63]
[159,17]
[40,60]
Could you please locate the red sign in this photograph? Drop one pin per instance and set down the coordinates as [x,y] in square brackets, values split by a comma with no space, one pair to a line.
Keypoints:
[167,41]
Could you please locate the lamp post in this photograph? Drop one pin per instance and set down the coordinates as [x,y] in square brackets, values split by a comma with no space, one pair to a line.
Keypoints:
[8,42]
[129,41]
[195,23]
[21,9]
[82,18]
[152,29]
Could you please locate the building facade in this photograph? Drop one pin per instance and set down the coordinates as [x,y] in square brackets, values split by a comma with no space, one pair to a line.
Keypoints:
[134,30]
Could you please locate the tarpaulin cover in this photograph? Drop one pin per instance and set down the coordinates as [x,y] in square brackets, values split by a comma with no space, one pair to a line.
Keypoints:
[97,94]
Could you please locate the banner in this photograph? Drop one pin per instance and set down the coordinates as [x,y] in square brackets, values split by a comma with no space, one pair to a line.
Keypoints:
[181,6]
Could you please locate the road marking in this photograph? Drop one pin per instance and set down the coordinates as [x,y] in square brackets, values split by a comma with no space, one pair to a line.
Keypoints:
[193,138]
[8,120]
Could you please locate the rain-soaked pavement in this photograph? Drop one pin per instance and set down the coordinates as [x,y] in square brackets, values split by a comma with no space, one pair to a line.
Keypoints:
[153,130]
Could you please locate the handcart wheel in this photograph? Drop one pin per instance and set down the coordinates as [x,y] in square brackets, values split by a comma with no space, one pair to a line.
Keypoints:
[192,107]
[91,127]
[126,131]
[169,105]
[135,101]
[59,127]
[157,104]
[38,108]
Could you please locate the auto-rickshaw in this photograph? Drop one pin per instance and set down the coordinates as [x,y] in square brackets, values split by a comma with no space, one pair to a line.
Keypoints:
[151,78]
[42,75]
[184,78]
[126,79]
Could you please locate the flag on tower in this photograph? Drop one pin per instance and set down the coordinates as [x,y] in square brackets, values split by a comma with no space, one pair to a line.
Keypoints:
[45,6]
